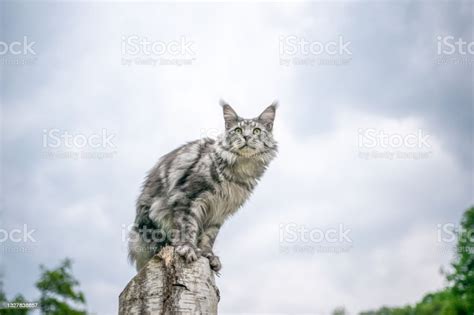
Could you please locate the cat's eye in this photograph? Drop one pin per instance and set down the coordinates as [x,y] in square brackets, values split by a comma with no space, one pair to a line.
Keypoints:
[238,130]
[257,131]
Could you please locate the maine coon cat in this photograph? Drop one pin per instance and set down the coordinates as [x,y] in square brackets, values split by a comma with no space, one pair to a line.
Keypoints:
[191,191]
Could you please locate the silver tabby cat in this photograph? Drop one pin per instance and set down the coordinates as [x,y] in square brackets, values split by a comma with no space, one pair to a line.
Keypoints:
[192,190]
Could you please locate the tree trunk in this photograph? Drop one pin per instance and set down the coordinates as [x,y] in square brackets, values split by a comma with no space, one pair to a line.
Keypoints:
[167,285]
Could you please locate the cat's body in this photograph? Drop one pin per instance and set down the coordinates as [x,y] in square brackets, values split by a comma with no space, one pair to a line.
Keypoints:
[192,190]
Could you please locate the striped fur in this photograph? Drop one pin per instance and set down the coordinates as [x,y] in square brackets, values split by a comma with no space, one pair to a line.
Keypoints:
[192,190]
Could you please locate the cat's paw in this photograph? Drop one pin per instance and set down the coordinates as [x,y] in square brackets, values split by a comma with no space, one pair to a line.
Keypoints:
[215,263]
[214,260]
[188,252]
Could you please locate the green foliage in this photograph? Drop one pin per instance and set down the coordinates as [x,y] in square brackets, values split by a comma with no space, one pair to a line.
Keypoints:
[339,311]
[462,277]
[58,291]
[3,297]
[445,302]
[440,303]
[407,310]
[11,311]
[16,311]
[458,299]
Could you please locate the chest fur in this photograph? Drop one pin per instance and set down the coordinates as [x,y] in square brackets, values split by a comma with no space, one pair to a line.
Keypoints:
[225,201]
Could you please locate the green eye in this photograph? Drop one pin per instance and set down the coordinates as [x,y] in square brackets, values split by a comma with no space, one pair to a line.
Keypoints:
[257,131]
[238,130]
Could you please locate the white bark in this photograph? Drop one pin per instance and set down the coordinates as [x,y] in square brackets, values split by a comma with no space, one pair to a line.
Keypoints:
[167,285]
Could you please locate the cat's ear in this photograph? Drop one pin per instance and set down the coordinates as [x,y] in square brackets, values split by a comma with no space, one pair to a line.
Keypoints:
[268,116]
[230,116]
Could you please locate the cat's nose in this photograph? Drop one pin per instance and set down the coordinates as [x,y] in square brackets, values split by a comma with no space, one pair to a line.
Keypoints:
[246,138]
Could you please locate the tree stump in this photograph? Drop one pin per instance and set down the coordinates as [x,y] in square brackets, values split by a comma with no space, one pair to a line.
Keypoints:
[167,285]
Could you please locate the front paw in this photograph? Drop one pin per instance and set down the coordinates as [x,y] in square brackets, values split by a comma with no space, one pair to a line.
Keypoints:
[188,252]
[214,261]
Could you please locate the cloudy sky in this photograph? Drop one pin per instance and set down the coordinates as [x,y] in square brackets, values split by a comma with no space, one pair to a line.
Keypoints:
[375,127]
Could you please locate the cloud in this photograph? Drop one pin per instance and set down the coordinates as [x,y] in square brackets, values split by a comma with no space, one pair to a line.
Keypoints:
[392,219]
[321,179]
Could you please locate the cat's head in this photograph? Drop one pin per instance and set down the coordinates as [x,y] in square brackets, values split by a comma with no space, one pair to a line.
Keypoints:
[249,137]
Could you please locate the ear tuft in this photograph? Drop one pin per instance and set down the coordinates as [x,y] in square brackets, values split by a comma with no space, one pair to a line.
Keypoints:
[222,102]
[268,115]
[230,116]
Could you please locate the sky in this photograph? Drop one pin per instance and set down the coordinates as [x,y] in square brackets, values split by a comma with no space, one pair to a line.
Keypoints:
[375,129]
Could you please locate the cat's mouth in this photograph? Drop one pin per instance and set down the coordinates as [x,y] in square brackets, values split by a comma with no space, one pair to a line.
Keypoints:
[246,146]
[247,151]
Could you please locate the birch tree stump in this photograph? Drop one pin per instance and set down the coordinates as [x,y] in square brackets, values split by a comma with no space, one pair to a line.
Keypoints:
[167,285]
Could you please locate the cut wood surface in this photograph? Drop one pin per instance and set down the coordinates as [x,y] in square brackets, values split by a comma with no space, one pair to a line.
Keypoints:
[168,285]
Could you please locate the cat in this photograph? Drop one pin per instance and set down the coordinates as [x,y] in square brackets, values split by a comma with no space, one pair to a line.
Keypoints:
[192,190]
